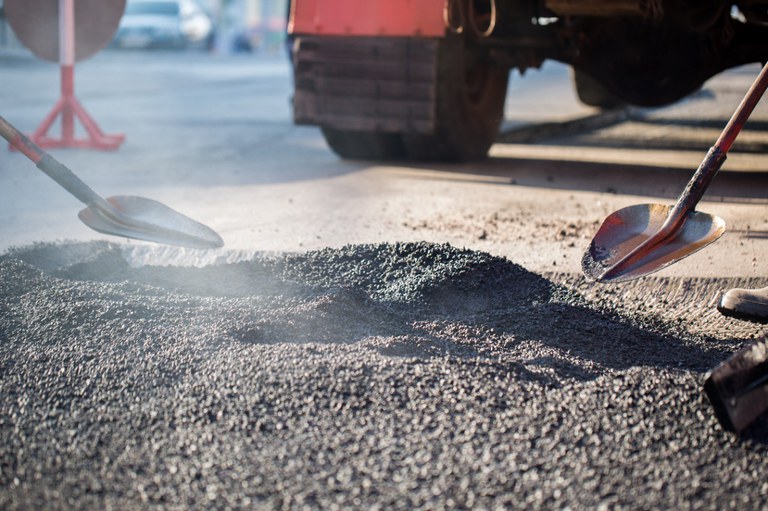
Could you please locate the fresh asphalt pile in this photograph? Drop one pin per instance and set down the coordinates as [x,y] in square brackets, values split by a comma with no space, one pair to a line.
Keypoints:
[373,377]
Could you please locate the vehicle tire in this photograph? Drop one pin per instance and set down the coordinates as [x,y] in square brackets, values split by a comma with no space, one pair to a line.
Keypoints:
[470,94]
[593,93]
[360,145]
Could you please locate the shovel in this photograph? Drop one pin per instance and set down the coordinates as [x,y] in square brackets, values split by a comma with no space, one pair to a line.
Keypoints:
[122,215]
[642,239]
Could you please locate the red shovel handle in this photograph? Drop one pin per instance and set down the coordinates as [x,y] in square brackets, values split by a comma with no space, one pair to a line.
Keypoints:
[50,165]
[20,141]
[717,154]
[743,112]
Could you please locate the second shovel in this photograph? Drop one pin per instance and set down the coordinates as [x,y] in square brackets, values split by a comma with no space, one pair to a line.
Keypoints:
[641,239]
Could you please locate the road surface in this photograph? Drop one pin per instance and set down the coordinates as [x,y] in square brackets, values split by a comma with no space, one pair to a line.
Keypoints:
[372,336]
[213,138]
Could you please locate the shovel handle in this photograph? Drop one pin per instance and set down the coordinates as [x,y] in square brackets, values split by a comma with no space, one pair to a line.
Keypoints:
[742,113]
[20,141]
[695,189]
[49,165]
[717,154]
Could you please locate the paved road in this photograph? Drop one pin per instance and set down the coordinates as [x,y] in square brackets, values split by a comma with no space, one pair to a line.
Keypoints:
[398,372]
[213,138]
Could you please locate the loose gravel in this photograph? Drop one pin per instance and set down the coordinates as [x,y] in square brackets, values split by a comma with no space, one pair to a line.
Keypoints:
[392,376]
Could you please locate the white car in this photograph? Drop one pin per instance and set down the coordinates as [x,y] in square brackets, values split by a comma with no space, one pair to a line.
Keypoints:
[164,24]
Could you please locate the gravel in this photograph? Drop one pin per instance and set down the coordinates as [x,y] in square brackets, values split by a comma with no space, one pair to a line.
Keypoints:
[391,376]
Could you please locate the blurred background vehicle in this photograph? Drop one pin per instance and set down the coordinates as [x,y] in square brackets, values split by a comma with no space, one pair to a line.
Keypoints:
[224,26]
[164,24]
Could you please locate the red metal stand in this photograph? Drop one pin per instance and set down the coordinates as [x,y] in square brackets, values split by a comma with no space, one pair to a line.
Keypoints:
[68,107]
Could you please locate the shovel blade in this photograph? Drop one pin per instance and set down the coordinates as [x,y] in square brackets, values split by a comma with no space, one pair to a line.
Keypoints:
[149,220]
[626,229]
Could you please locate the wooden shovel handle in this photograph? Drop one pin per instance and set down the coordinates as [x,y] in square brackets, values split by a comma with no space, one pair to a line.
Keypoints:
[742,113]
[717,154]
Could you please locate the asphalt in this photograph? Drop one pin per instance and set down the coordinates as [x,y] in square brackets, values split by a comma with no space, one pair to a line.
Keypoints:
[382,376]
[390,376]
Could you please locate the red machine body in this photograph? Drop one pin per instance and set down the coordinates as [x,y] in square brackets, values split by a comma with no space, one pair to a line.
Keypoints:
[368,18]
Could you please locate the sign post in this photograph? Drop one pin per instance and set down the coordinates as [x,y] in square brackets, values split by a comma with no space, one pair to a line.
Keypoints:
[30,19]
[68,107]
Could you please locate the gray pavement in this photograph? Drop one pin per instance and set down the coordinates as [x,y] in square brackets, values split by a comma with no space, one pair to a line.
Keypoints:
[372,336]
[212,137]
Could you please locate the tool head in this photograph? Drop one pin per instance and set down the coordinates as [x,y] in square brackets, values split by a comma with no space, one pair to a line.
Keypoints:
[149,220]
[626,229]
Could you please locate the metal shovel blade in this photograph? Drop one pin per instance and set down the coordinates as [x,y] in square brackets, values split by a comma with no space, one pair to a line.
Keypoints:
[146,219]
[625,230]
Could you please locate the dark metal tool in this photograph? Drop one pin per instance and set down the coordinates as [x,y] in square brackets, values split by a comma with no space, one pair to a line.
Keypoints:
[738,388]
[122,215]
[641,239]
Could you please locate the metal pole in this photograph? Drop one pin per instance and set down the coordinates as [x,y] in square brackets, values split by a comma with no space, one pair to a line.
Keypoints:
[67,62]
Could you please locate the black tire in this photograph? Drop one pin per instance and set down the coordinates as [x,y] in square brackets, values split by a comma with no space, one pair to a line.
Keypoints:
[469,106]
[360,145]
[593,93]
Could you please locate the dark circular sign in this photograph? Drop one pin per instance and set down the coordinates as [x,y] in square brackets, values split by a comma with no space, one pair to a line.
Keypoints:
[36,24]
